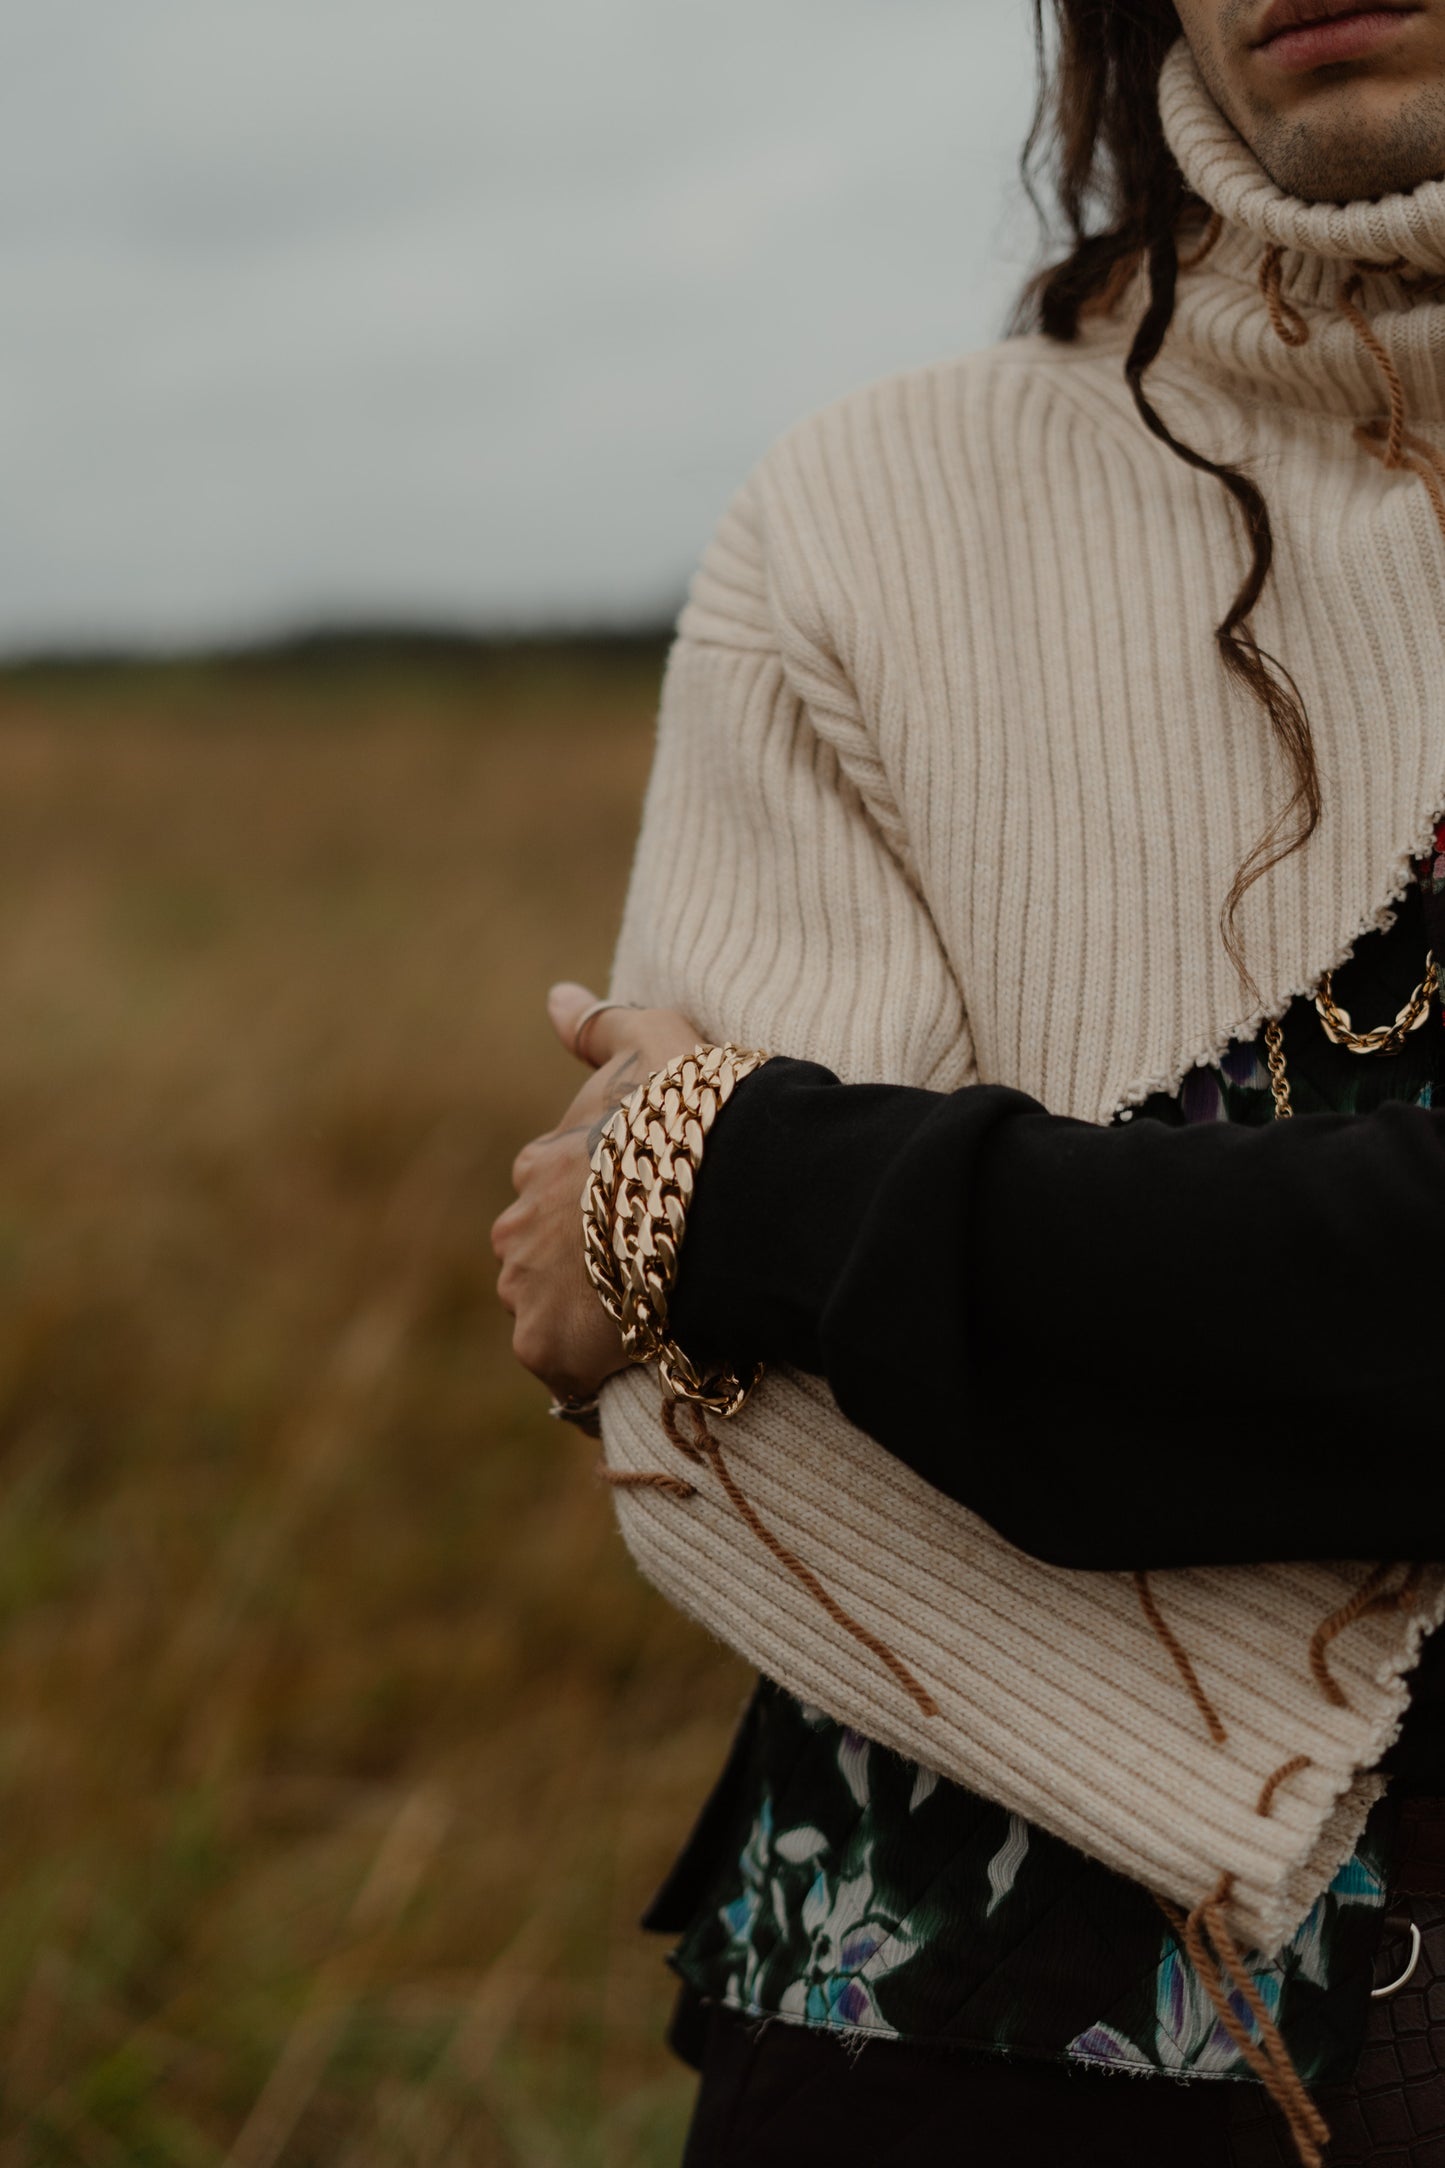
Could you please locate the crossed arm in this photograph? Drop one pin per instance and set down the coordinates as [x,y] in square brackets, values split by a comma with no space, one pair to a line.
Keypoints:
[1125,1348]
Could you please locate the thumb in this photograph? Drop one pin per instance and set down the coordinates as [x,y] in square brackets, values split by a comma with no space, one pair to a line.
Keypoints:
[567,1004]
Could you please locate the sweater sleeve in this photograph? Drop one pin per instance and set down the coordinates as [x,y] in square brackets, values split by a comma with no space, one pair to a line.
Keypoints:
[772,898]
[1194,1328]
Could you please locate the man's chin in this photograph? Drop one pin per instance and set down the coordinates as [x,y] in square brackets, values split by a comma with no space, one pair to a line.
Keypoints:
[1344,142]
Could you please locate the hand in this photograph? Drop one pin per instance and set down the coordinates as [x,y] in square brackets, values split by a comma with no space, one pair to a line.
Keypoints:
[561,1333]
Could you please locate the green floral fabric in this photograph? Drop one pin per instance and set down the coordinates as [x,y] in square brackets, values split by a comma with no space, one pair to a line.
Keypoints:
[870,1897]
[846,1888]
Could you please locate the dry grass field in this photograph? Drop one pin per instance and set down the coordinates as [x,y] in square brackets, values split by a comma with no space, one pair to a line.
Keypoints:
[339,1743]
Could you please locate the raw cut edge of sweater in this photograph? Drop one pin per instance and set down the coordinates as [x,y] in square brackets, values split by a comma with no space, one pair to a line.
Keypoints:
[1378,920]
[1358,1789]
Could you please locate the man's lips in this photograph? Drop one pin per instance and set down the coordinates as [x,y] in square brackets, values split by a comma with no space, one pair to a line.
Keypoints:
[1297,35]
[1286,15]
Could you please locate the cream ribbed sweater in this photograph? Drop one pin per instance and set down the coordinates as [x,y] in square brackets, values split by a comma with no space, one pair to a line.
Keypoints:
[950,786]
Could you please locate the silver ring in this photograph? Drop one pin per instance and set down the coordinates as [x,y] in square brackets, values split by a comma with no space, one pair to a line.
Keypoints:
[586,1017]
[1383,1994]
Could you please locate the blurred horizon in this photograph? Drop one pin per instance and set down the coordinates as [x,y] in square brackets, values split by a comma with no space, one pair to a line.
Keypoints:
[339,314]
[326,646]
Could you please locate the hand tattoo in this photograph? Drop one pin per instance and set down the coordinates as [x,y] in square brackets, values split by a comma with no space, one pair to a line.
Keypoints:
[623,1074]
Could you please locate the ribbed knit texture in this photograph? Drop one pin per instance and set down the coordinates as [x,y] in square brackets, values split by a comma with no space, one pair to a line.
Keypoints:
[950,785]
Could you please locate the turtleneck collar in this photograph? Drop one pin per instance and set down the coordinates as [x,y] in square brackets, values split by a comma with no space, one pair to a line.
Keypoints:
[1314,257]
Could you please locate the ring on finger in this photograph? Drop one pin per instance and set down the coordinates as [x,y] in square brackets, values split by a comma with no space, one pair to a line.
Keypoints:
[586,1017]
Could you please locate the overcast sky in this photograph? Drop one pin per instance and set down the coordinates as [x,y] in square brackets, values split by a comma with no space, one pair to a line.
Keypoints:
[461,311]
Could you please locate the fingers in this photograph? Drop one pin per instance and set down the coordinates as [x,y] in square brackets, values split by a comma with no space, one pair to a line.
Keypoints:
[572,1351]
[567,1004]
[560,1331]
[504,1226]
[527,1162]
[594,1039]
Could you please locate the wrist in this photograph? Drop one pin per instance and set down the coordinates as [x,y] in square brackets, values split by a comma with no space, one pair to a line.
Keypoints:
[635,1208]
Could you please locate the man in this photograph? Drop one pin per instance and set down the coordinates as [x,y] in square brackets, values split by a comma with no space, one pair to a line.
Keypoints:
[983,770]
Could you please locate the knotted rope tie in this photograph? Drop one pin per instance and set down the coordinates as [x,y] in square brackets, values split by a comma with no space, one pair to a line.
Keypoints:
[1289,325]
[1388,437]
[703,1449]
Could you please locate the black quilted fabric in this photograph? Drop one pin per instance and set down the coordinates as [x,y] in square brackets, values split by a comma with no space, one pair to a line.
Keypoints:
[1393,2115]
[780,2096]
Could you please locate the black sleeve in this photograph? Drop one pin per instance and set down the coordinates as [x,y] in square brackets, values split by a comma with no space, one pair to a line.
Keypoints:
[1124,1347]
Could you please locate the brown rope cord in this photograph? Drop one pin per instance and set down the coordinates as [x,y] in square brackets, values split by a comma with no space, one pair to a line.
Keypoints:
[1179,1657]
[1207,239]
[1289,325]
[703,1449]
[1216,1958]
[1307,2124]
[1174,1916]
[1203,1935]
[625,1479]
[1206,1963]
[1420,458]
[1387,438]
[1264,1805]
[1389,375]
[1370,1598]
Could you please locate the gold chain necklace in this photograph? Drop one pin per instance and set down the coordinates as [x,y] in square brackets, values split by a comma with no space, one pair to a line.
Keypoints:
[1384,1039]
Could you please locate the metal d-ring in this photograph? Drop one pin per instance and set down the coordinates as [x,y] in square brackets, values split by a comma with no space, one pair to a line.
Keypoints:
[1383,1994]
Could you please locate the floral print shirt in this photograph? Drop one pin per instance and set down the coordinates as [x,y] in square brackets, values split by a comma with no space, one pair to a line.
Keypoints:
[833,1884]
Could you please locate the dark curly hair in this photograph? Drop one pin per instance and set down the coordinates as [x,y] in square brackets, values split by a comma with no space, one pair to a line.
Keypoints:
[1098,168]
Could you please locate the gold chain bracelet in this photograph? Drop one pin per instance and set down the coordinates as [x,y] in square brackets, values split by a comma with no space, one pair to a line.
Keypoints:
[634,1213]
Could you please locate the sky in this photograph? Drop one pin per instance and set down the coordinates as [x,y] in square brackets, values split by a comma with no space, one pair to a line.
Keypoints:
[463,313]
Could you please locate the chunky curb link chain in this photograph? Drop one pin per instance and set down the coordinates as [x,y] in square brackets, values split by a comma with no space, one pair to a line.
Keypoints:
[634,1213]
[1385,1038]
